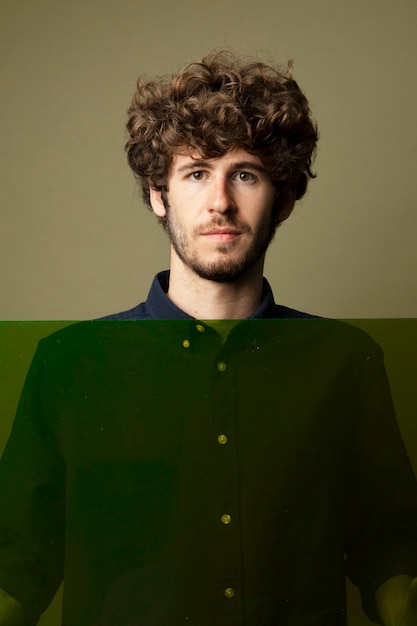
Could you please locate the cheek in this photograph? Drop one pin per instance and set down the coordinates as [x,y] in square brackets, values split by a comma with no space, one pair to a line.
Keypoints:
[265,212]
[176,222]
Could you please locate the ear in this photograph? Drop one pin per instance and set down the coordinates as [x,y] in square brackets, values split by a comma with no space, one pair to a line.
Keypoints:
[286,205]
[157,202]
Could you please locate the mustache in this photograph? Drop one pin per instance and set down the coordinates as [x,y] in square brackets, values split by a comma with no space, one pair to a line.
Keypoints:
[240,227]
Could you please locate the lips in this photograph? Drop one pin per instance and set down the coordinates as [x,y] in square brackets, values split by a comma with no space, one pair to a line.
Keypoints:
[222,231]
[224,235]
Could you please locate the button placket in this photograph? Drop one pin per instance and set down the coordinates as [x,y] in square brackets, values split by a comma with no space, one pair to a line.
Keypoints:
[225,489]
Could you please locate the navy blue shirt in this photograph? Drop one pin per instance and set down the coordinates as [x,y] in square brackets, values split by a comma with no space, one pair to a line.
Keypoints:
[173,479]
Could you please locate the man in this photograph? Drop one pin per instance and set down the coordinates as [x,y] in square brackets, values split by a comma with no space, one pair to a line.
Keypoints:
[214,458]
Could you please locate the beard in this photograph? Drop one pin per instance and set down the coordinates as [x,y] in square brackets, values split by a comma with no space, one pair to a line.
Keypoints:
[224,269]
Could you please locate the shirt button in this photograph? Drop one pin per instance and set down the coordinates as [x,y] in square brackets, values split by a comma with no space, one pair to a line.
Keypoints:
[186,343]
[226,519]
[229,592]
[200,328]
[221,366]
[222,439]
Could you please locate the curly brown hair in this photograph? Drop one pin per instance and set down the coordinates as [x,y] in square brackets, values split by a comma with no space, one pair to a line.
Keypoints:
[215,106]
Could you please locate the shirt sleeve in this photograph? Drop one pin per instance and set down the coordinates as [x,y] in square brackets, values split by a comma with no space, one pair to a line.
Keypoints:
[32,502]
[381,504]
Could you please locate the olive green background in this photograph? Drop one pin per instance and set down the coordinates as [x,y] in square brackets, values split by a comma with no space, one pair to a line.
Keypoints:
[76,241]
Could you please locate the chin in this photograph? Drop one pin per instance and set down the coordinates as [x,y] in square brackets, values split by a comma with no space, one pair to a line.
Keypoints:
[222,273]
[221,277]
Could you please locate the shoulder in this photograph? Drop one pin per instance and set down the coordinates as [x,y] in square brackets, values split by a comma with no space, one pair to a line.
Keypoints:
[305,335]
[285,312]
[324,330]
[138,312]
[107,338]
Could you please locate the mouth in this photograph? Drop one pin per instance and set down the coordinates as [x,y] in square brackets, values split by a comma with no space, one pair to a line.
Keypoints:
[222,234]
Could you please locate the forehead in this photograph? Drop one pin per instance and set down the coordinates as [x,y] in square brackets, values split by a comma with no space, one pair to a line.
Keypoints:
[189,158]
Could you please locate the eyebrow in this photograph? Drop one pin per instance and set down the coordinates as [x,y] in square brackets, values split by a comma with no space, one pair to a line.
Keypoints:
[239,165]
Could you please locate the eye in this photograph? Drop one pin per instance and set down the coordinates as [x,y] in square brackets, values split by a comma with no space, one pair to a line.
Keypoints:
[244,177]
[197,175]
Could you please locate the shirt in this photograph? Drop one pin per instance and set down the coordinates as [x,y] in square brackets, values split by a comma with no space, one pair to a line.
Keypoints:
[174,479]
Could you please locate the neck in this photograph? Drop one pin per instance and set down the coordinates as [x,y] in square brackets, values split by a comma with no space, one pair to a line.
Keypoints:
[210,300]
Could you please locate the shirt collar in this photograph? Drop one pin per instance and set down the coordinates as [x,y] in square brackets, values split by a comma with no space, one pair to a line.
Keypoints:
[160,307]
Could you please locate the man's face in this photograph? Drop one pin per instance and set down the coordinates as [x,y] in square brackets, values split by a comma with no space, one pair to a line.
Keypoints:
[219,213]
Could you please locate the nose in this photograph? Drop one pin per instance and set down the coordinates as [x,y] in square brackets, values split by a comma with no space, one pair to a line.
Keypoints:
[222,199]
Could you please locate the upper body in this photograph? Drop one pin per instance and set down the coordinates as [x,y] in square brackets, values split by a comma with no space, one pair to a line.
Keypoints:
[150,428]
[209,472]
